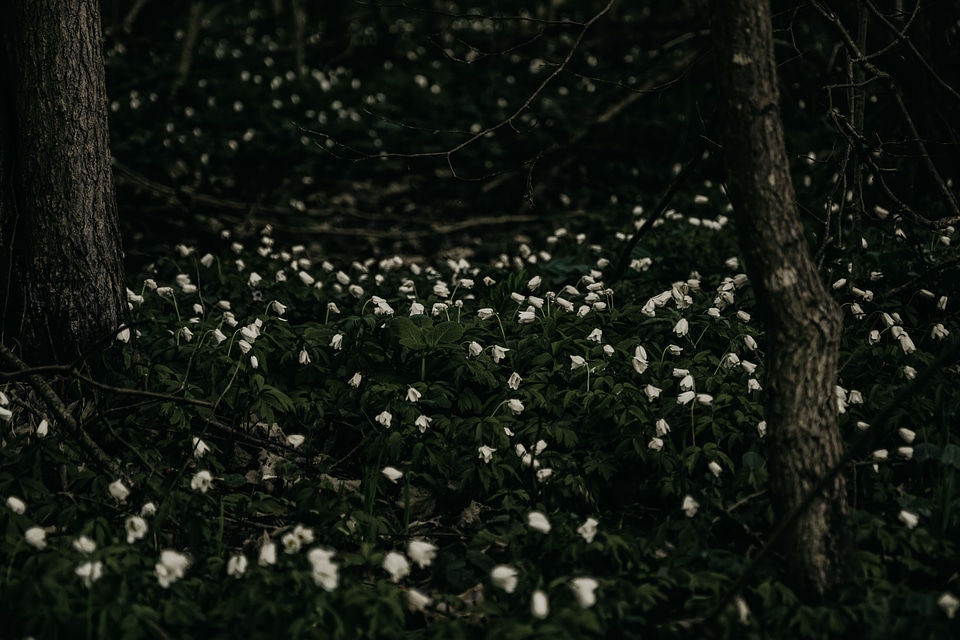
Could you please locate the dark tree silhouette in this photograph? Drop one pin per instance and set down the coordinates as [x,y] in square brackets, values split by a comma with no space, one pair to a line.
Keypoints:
[61,288]
[802,321]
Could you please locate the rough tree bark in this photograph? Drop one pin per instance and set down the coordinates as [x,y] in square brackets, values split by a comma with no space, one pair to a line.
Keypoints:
[802,321]
[61,280]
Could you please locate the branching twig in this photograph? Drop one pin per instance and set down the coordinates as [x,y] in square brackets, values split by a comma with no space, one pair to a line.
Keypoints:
[189,44]
[678,182]
[62,414]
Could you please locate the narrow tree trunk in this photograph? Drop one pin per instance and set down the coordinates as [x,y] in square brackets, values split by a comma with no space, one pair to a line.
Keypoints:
[802,322]
[61,278]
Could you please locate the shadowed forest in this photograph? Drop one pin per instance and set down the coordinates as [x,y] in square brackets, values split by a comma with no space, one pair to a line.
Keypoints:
[564,319]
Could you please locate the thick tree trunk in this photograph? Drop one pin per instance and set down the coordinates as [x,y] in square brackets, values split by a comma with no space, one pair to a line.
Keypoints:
[62,268]
[802,321]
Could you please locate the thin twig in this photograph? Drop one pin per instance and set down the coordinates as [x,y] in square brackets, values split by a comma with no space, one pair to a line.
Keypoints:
[62,414]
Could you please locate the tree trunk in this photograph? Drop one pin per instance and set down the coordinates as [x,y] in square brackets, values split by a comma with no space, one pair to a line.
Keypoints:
[802,321]
[62,266]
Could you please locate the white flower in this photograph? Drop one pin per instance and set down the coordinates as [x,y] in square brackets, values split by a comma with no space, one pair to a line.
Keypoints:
[596,336]
[254,362]
[421,552]
[514,381]
[538,521]
[873,337]
[754,385]
[219,336]
[539,605]
[291,543]
[392,474]
[748,366]
[16,505]
[295,440]
[36,537]
[909,372]
[505,577]
[396,565]
[527,317]
[686,397]
[417,600]
[304,357]
[576,362]
[413,395]
[237,565]
[588,530]
[250,333]
[686,384]
[584,589]
[674,350]
[714,468]
[486,313]
[136,528]
[762,428]
[89,572]
[85,545]
[171,567]
[906,343]
[534,283]
[682,327]
[743,611]
[939,332]
[486,453]
[750,342]
[354,381]
[201,481]
[124,335]
[385,418]
[417,309]
[499,353]
[730,360]
[337,341]
[663,428]
[43,428]
[608,350]
[905,452]
[690,506]
[906,434]
[656,444]
[268,554]
[200,448]
[474,349]
[543,474]
[713,312]
[908,518]
[651,392]
[118,490]
[148,509]
[639,361]
[303,534]
[704,398]
[423,423]
[949,603]
[245,346]
[743,316]
[515,405]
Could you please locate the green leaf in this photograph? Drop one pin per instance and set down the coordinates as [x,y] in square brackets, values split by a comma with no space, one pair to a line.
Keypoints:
[753,461]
